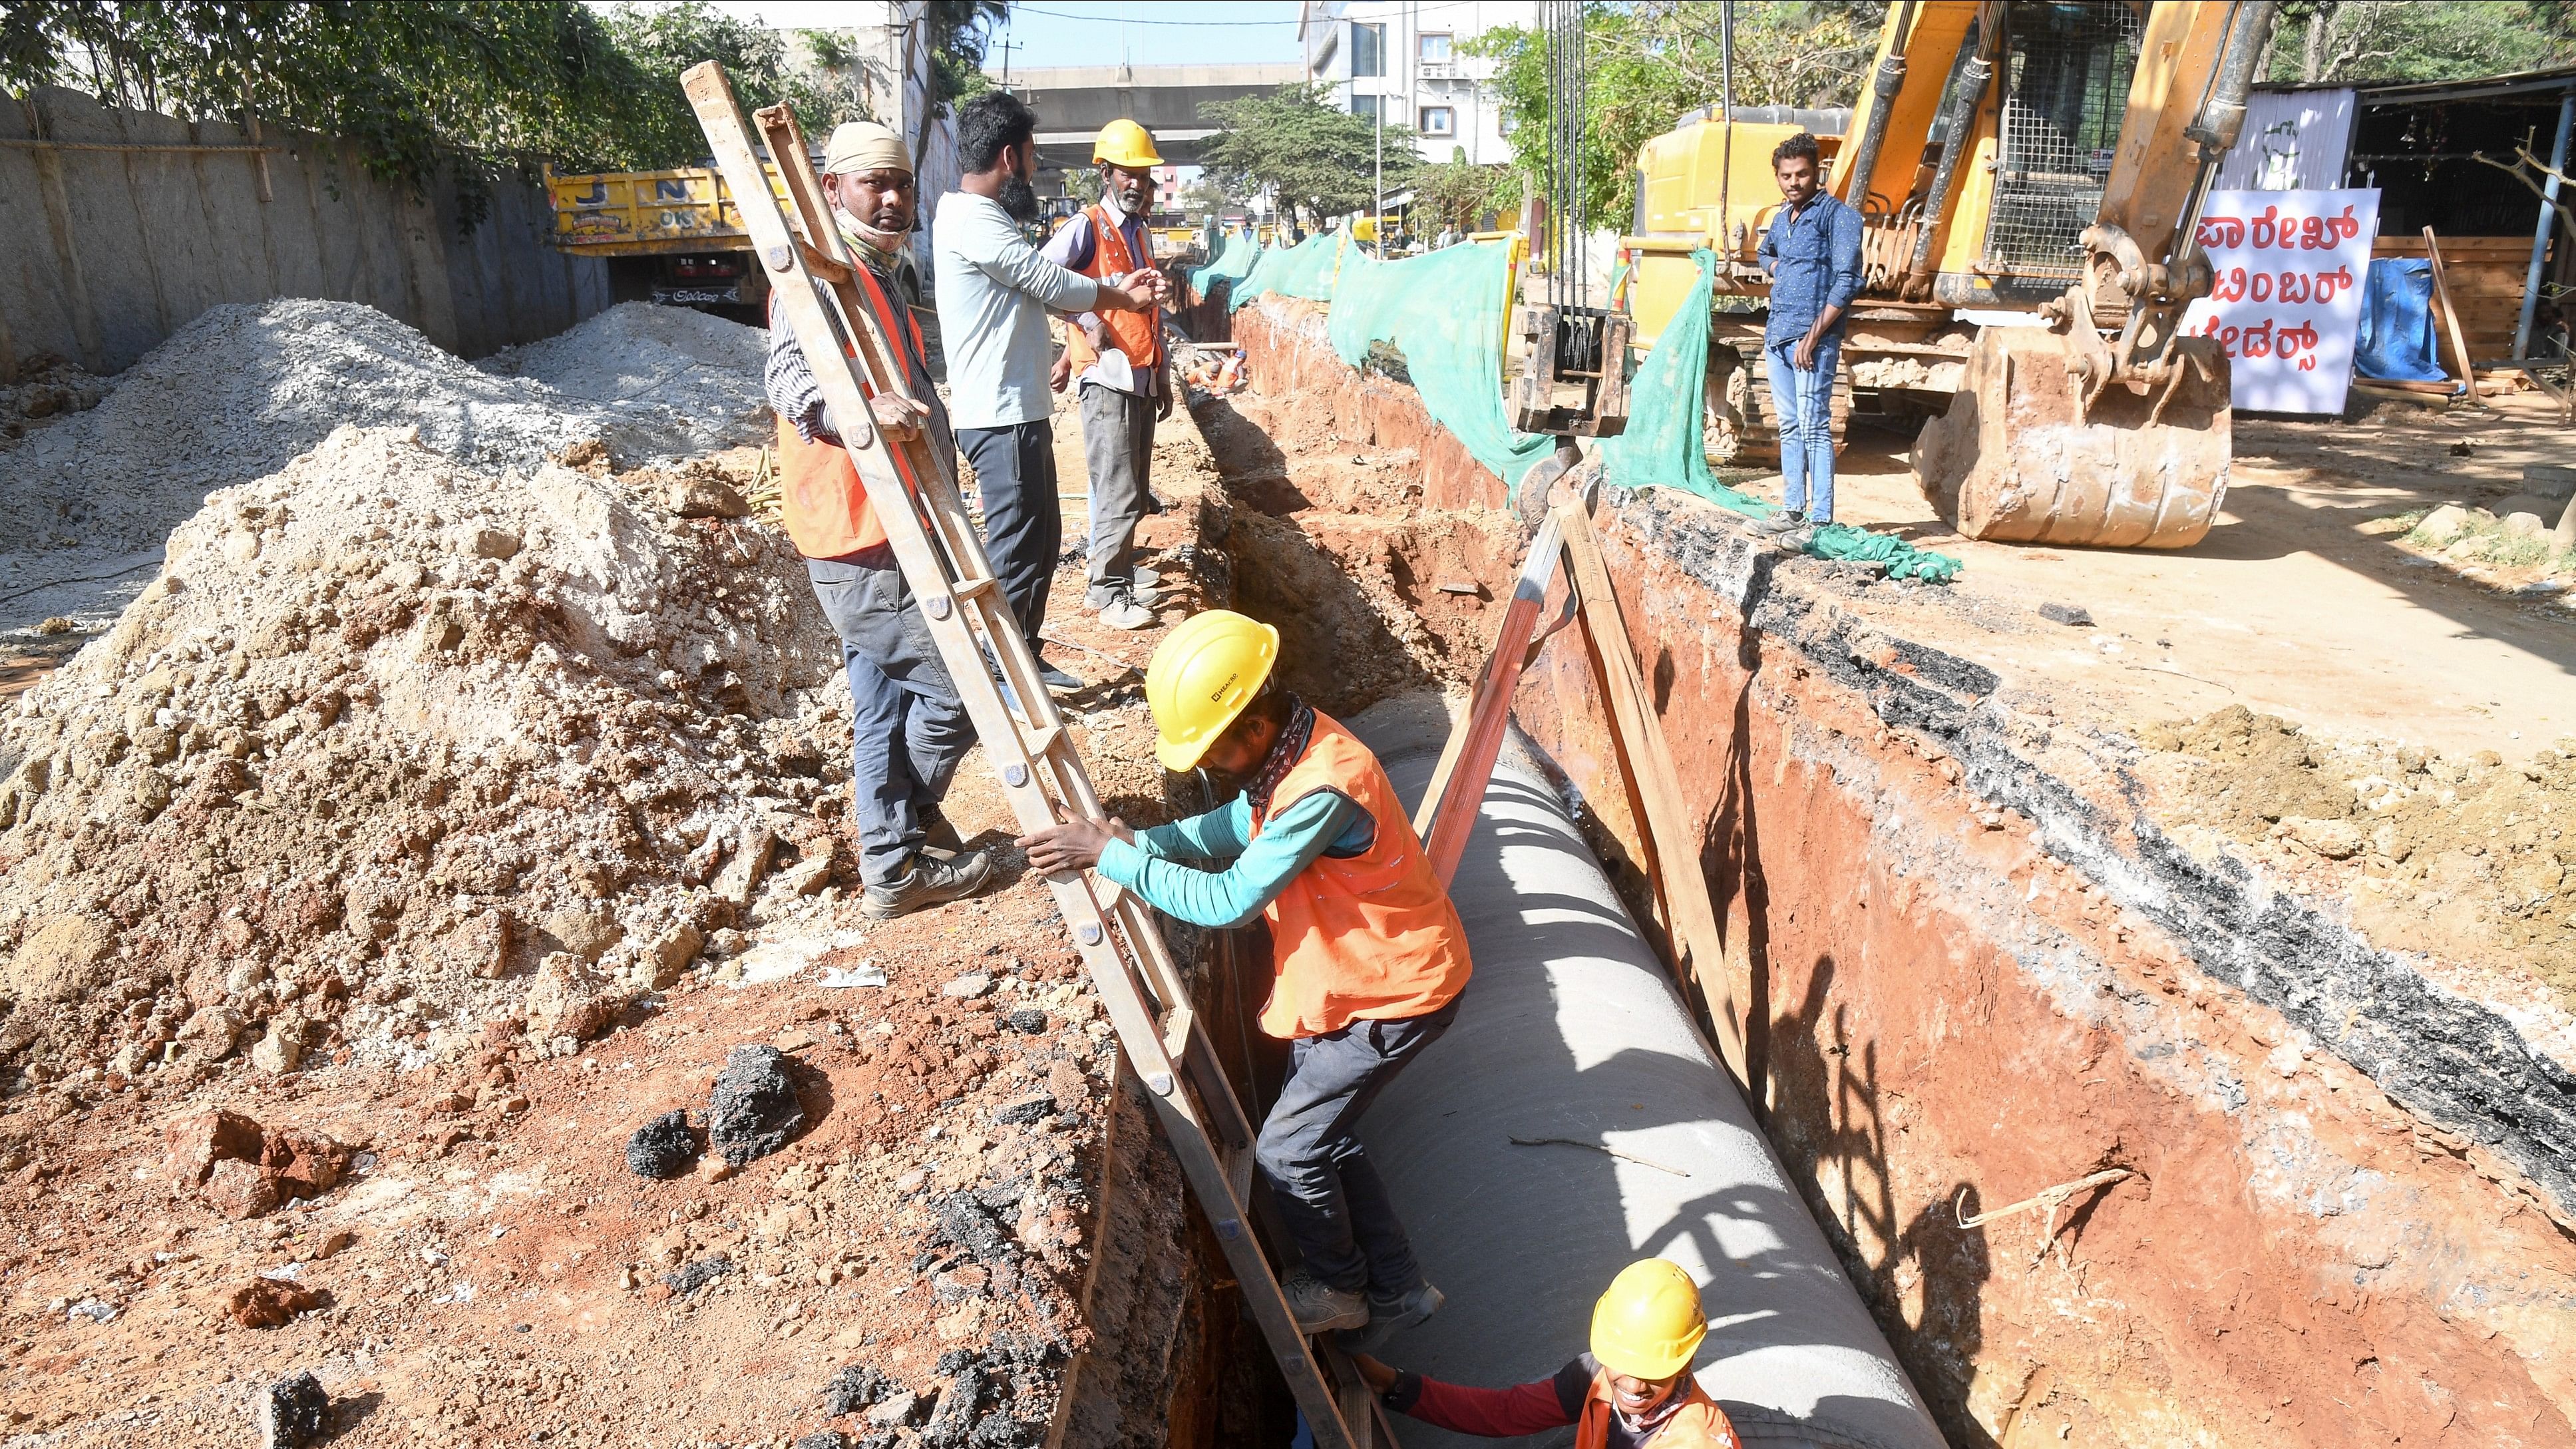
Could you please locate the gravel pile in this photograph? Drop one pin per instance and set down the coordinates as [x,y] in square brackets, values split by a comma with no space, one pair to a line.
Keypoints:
[240,391]
[650,361]
[393,743]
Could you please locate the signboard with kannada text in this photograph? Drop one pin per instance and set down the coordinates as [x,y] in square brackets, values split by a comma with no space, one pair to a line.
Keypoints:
[2286,302]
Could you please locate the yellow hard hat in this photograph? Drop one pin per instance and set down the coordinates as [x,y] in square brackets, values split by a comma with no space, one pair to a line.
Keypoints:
[1124,143]
[1202,675]
[1648,1324]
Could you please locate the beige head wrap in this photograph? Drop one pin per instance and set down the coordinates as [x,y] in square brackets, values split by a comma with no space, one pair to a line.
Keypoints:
[865,146]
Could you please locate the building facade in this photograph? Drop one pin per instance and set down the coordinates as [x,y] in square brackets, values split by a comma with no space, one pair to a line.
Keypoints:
[1403,60]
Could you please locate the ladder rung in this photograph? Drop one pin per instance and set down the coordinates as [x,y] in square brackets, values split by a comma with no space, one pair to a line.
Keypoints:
[1043,740]
[975,588]
[1111,893]
[1176,1033]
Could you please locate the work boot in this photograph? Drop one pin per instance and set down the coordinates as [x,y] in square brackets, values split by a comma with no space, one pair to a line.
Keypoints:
[1402,1310]
[1783,522]
[939,837]
[930,882]
[1319,1307]
[1127,614]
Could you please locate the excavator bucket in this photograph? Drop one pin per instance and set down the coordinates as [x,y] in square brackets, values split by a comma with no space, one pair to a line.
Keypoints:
[2020,457]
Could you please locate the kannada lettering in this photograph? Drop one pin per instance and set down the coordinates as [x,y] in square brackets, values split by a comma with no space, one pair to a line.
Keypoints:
[2286,233]
[2236,284]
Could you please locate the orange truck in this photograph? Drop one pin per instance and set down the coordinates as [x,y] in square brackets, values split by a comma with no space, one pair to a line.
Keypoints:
[672,237]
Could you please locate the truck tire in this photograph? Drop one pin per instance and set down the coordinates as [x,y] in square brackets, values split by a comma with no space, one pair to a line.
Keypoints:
[1737,427]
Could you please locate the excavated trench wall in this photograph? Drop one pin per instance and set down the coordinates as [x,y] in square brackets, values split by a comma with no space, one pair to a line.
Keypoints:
[1976,970]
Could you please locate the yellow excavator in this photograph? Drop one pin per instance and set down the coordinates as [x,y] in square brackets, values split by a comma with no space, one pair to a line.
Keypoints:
[2030,176]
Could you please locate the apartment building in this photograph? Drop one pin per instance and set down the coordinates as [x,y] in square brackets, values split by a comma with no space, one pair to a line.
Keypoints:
[1403,59]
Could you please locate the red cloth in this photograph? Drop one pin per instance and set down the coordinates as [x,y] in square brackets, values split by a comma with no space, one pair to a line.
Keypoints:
[1491,1413]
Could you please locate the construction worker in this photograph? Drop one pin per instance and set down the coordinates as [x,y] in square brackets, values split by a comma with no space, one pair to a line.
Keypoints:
[1632,1391]
[1812,251]
[1368,956]
[908,728]
[994,292]
[1116,361]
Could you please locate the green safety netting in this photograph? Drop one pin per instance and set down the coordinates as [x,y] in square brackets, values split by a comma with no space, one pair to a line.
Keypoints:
[1304,270]
[1232,262]
[1660,447]
[1445,311]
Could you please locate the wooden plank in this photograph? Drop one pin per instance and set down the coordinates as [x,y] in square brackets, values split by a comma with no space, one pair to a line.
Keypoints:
[1646,758]
[1457,789]
[2407,246]
[2442,295]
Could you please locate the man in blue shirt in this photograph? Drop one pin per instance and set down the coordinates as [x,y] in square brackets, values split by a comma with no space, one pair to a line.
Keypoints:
[1812,251]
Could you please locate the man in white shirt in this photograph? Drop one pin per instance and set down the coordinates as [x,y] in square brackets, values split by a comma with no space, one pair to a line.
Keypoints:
[1118,364]
[994,293]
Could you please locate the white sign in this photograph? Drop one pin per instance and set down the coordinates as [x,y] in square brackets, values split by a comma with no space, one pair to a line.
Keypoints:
[2287,300]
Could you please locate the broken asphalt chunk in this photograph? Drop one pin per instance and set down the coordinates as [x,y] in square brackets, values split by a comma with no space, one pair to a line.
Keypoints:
[754,1110]
[663,1148]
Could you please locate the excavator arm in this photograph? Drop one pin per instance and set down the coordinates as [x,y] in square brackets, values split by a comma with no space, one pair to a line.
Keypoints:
[2109,426]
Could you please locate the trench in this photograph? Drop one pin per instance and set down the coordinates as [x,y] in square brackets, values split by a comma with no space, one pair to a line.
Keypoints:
[1973,969]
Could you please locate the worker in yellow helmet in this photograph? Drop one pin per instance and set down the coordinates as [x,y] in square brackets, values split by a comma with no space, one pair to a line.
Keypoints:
[1117,363]
[1632,1391]
[1368,955]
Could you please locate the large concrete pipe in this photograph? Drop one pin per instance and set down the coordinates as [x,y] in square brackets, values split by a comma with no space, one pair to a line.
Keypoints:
[1572,1030]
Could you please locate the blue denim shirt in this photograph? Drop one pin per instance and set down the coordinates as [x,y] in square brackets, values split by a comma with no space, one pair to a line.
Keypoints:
[1814,261]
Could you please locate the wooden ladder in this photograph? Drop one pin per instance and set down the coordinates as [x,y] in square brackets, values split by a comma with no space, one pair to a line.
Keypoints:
[944,563]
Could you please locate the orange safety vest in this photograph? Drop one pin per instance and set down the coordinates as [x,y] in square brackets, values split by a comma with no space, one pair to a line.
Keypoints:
[1138,334]
[827,508]
[1373,937]
[1698,1424]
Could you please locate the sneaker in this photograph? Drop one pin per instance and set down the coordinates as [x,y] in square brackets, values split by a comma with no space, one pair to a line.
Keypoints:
[1784,521]
[1147,584]
[929,883]
[1319,1307]
[1056,680]
[1127,614]
[1403,1310]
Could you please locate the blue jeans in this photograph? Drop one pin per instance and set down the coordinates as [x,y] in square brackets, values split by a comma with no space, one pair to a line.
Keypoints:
[1803,403]
[908,729]
[1328,1192]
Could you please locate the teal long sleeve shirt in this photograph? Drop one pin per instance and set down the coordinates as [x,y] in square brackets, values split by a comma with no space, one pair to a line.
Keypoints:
[1260,867]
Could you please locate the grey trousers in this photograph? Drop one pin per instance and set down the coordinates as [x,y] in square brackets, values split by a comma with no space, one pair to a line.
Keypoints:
[1023,521]
[908,729]
[1118,452]
[1329,1195]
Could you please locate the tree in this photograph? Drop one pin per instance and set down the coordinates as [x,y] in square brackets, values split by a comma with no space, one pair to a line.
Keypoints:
[1204,197]
[958,32]
[1646,65]
[2325,41]
[1082,184]
[1317,158]
[653,126]
[1458,193]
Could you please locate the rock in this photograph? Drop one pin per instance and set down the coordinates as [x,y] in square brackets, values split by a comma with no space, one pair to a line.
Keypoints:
[1028,1021]
[2442,525]
[2072,615]
[855,1388]
[303,1164]
[2523,524]
[2563,537]
[211,1034]
[714,1169]
[279,1052]
[587,933]
[292,1413]
[241,1190]
[482,945]
[568,999]
[63,959]
[967,987]
[671,953]
[1027,1109]
[489,542]
[192,1145]
[742,874]
[705,498]
[662,1148]
[2333,839]
[955,1418]
[697,1275]
[807,875]
[270,1302]
[823,1439]
[903,1407]
[754,1110]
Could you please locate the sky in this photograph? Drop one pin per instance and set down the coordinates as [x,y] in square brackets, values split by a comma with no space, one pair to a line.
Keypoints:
[1089,32]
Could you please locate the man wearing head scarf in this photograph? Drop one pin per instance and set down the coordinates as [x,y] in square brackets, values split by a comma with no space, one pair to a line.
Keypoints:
[908,729]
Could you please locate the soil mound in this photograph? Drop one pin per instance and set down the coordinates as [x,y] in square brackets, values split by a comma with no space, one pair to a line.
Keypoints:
[2462,857]
[650,361]
[240,391]
[387,732]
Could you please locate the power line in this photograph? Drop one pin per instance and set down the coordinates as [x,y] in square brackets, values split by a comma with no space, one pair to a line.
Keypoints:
[1190,24]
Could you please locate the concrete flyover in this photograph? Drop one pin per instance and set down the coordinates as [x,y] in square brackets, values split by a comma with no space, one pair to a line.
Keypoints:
[1074,101]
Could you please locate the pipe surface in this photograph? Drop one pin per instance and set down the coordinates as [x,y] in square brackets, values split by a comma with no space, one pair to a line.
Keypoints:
[1571,1029]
